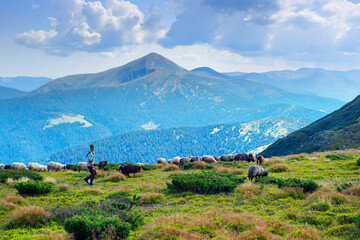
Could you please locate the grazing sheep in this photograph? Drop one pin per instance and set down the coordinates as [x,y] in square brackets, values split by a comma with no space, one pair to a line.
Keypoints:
[252,157]
[176,160]
[1,166]
[195,159]
[170,161]
[126,169]
[7,167]
[82,166]
[102,164]
[69,166]
[259,160]
[183,160]
[231,157]
[54,166]
[217,158]
[18,166]
[225,158]
[208,159]
[161,161]
[42,168]
[34,166]
[241,157]
[255,171]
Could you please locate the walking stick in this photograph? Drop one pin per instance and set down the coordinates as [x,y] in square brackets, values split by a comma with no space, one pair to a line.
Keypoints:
[81,177]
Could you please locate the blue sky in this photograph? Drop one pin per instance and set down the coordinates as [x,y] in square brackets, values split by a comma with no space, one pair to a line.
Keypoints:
[54,38]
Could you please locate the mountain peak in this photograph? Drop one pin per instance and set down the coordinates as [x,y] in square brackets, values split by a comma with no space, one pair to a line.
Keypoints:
[208,72]
[136,69]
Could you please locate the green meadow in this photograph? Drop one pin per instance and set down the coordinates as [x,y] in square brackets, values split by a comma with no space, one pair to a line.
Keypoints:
[253,210]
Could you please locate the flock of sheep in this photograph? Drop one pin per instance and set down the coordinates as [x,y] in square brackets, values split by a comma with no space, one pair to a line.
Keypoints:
[253,171]
[213,159]
[51,166]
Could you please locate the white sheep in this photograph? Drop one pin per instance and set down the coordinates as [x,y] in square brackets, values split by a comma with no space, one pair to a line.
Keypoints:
[161,161]
[176,160]
[255,171]
[42,168]
[208,159]
[53,166]
[17,165]
[82,166]
[1,166]
[34,166]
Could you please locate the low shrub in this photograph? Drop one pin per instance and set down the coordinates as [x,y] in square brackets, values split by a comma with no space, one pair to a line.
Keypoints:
[16,174]
[151,198]
[345,218]
[6,206]
[63,187]
[14,198]
[115,176]
[11,181]
[338,157]
[354,191]
[120,192]
[74,168]
[112,166]
[294,192]
[344,186]
[187,165]
[97,226]
[148,167]
[321,206]
[199,165]
[279,168]
[29,216]
[306,185]
[206,182]
[171,167]
[340,230]
[51,180]
[357,222]
[358,162]
[33,187]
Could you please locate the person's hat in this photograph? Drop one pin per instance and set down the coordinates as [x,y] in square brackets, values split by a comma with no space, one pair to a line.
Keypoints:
[92,146]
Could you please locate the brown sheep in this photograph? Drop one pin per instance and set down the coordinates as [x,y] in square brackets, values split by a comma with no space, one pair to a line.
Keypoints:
[259,160]
[102,164]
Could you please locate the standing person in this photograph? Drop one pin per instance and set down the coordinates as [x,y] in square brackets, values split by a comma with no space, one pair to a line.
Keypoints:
[91,165]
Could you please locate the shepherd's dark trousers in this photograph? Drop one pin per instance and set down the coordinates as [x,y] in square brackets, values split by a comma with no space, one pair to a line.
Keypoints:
[92,175]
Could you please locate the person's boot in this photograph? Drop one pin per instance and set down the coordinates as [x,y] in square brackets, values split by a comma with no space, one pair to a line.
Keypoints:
[86,180]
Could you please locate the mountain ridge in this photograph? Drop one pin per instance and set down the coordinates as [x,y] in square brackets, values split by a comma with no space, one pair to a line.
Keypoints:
[336,131]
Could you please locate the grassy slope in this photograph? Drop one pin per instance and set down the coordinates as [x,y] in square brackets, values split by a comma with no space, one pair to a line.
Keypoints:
[338,130]
[187,215]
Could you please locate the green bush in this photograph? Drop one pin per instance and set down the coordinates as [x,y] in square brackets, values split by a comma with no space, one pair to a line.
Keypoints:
[358,162]
[344,186]
[207,182]
[187,165]
[97,226]
[112,166]
[357,222]
[148,167]
[321,206]
[33,187]
[74,168]
[17,174]
[307,185]
[338,157]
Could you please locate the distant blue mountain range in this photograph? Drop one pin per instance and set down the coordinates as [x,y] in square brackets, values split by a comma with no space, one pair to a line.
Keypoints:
[146,94]
[25,84]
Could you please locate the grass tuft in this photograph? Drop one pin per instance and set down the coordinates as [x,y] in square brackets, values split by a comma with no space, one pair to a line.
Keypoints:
[29,216]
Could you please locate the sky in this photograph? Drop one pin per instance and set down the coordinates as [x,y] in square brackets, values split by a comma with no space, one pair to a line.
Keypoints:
[54,38]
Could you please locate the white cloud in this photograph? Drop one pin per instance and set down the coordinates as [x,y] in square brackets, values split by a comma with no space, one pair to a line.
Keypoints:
[82,25]
[35,6]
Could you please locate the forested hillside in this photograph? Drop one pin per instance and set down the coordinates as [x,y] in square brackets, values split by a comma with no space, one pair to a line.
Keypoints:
[338,130]
[147,146]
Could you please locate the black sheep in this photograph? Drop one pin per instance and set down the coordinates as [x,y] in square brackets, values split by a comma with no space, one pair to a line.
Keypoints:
[69,166]
[7,167]
[126,169]
[102,164]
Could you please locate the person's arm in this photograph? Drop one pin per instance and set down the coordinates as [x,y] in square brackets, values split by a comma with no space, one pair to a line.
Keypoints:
[92,165]
[90,159]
